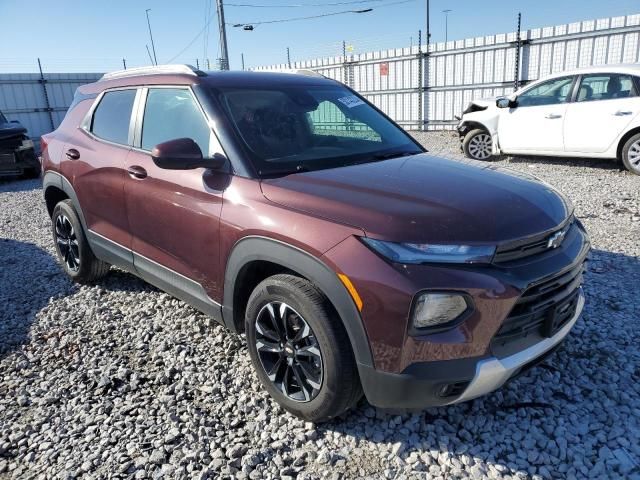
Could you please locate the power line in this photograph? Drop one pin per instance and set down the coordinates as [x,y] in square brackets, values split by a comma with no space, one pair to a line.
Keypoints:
[193,40]
[322,15]
[299,5]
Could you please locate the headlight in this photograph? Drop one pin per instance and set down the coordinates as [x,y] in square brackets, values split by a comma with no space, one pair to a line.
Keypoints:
[438,309]
[27,143]
[431,253]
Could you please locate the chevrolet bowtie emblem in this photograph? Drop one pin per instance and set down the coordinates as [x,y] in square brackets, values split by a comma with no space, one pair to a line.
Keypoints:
[556,239]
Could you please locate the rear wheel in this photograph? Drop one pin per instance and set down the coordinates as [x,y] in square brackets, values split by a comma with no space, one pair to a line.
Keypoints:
[477,145]
[631,154]
[74,252]
[300,349]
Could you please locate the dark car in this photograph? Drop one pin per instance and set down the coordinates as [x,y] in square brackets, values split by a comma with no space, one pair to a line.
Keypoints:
[17,155]
[289,208]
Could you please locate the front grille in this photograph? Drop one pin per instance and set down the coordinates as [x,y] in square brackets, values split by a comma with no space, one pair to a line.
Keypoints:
[11,143]
[7,159]
[543,308]
[531,245]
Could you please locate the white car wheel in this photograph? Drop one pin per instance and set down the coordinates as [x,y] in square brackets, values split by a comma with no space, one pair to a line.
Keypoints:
[478,145]
[631,154]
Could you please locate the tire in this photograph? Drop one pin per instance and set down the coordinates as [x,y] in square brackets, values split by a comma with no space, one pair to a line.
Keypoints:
[477,145]
[331,389]
[631,154]
[73,250]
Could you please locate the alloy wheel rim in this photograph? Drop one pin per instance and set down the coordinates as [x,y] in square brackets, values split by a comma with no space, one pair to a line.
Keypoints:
[289,352]
[67,242]
[480,146]
[634,156]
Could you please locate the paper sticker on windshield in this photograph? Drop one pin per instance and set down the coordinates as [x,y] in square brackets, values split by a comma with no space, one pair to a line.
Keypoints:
[351,101]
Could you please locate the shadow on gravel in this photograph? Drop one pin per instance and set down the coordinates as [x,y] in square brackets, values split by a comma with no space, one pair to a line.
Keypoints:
[599,163]
[19,185]
[553,412]
[29,277]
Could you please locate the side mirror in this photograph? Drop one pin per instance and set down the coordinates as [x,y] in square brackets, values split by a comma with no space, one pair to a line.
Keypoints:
[15,121]
[184,154]
[505,102]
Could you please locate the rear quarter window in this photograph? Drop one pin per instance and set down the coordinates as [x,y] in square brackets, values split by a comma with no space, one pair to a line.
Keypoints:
[111,117]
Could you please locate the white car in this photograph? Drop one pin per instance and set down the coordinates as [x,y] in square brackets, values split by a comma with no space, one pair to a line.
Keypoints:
[593,112]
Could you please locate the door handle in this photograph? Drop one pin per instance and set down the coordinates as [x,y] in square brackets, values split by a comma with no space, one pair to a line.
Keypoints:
[621,113]
[136,171]
[552,116]
[73,154]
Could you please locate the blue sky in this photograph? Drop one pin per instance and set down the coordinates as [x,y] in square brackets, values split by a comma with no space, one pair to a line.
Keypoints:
[83,35]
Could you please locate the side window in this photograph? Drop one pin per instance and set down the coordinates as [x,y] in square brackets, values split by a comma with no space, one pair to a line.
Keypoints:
[111,118]
[605,86]
[328,119]
[171,113]
[550,92]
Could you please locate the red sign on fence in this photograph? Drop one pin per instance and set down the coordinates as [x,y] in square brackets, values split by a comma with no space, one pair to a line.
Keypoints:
[384,69]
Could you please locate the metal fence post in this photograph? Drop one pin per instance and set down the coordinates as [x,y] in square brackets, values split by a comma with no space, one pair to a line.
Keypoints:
[516,76]
[48,108]
[420,84]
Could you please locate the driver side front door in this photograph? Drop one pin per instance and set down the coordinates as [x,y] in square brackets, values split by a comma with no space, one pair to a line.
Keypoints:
[174,215]
[536,124]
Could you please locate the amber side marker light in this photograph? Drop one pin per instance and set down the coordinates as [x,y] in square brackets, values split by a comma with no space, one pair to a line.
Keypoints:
[352,290]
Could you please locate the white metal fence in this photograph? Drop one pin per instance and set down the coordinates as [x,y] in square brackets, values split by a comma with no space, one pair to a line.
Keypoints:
[40,102]
[427,91]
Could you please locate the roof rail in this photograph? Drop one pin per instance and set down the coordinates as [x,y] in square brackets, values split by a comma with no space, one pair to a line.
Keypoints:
[153,70]
[297,71]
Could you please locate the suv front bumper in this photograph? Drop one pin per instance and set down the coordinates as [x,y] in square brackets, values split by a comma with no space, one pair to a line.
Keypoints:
[421,385]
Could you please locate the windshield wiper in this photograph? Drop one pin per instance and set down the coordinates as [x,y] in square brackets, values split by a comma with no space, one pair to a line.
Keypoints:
[283,171]
[386,156]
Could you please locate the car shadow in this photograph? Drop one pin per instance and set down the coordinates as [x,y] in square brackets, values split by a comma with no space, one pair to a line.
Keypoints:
[17,184]
[581,385]
[29,278]
[600,163]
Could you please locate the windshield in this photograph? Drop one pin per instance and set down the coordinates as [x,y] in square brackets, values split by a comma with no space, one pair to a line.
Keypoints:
[297,128]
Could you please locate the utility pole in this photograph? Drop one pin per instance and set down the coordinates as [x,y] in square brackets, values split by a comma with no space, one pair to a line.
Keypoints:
[155,59]
[288,58]
[124,63]
[224,53]
[242,56]
[446,24]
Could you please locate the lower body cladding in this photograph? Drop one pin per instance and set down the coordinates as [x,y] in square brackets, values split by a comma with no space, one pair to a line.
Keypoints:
[453,381]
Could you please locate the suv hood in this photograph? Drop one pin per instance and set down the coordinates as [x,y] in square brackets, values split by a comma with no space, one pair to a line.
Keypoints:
[425,199]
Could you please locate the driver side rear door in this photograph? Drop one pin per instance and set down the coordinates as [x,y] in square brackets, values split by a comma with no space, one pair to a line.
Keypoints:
[536,124]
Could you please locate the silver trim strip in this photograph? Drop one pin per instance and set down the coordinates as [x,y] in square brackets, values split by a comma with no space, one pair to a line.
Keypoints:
[492,373]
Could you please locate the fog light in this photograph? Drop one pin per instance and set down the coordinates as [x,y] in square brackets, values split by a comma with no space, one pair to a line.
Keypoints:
[434,309]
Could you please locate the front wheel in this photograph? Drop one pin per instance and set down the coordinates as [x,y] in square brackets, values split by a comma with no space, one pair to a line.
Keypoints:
[631,154]
[300,349]
[477,145]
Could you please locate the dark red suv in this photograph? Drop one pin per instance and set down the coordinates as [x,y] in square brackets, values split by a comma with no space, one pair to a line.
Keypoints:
[287,207]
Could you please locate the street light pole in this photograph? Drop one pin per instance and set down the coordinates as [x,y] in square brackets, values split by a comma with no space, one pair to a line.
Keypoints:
[224,53]
[153,47]
[446,24]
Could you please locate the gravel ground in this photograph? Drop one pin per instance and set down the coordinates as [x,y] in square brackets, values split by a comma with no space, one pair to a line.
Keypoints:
[119,379]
